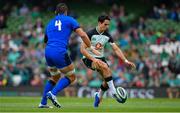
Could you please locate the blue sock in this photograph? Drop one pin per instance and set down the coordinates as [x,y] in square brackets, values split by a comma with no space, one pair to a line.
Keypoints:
[63,83]
[48,87]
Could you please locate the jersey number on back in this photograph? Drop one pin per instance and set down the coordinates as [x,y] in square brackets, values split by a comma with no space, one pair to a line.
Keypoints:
[58,24]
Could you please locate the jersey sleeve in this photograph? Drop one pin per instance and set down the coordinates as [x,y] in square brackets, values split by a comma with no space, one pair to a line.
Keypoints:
[74,24]
[110,38]
[90,33]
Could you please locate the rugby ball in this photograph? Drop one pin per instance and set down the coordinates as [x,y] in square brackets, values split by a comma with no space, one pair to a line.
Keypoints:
[121,94]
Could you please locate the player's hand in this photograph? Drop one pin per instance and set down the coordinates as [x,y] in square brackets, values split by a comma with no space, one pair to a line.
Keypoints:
[93,50]
[130,64]
[96,52]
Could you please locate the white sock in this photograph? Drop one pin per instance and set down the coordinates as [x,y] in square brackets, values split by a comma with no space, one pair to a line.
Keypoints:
[111,87]
[101,93]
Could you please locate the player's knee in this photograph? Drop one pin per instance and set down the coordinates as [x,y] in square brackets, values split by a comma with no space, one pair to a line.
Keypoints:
[55,78]
[54,71]
[55,74]
[71,75]
[72,78]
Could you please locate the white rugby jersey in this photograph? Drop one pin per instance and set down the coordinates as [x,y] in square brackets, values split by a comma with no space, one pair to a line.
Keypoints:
[98,41]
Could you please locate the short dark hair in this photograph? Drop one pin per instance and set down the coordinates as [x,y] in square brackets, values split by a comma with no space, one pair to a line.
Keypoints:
[61,8]
[102,18]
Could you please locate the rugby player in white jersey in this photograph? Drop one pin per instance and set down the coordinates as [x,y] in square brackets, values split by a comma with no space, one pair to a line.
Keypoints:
[99,36]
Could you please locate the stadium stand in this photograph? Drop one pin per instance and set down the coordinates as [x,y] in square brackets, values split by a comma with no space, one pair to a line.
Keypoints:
[136,31]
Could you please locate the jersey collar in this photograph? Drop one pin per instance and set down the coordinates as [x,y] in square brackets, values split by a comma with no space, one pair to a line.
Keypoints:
[98,31]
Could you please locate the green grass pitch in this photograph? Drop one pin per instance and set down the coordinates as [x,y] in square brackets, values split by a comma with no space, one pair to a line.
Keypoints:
[85,105]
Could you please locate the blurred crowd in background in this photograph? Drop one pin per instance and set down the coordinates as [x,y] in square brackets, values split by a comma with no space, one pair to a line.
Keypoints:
[153,47]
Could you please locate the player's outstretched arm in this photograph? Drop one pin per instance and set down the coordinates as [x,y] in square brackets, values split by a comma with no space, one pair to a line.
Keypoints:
[120,54]
[84,51]
[86,40]
[83,36]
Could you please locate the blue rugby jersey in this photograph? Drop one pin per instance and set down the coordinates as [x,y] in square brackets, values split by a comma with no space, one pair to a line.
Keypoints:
[59,30]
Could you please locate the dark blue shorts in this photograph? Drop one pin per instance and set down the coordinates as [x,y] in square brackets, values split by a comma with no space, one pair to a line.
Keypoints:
[58,59]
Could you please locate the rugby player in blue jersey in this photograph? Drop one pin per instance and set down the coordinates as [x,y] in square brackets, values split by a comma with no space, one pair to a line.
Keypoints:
[57,34]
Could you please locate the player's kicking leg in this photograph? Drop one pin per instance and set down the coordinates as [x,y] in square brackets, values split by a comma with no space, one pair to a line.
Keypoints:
[62,83]
[55,75]
[99,94]
[105,71]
